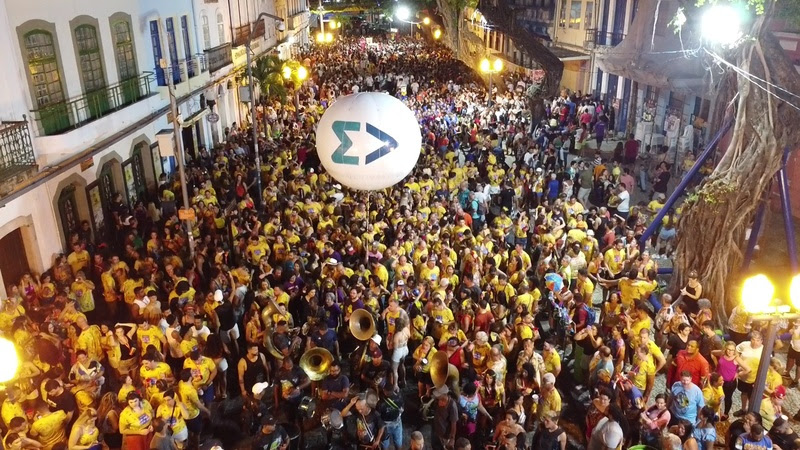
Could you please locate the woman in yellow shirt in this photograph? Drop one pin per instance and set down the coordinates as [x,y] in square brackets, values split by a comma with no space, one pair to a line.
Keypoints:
[174,414]
[423,356]
[134,423]
[85,434]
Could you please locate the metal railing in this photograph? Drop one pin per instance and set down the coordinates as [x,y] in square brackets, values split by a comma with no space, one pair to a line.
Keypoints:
[218,57]
[16,149]
[74,113]
[604,38]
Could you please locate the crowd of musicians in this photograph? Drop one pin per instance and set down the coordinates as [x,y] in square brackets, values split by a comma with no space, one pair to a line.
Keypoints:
[449,304]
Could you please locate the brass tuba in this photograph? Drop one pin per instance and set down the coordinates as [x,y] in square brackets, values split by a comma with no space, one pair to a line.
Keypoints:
[443,373]
[266,319]
[316,363]
[362,324]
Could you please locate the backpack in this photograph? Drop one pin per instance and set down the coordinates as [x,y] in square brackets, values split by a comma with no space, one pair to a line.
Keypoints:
[591,315]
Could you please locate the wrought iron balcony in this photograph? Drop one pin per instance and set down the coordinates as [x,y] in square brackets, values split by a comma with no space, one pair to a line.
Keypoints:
[16,150]
[595,37]
[218,57]
[74,113]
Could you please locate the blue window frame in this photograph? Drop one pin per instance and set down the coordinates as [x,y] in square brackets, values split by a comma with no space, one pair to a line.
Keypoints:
[155,37]
[187,46]
[173,51]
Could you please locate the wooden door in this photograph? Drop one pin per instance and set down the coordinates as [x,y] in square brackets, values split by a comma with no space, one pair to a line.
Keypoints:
[13,259]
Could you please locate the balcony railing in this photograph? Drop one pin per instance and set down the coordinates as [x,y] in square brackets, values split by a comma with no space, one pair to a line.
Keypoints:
[241,35]
[61,117]
[604,38]
[219,57]
[16,150]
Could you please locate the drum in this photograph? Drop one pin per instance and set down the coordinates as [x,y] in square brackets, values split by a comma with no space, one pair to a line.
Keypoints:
[307,407]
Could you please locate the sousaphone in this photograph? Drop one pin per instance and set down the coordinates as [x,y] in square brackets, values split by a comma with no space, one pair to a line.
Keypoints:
[316,363]
[362,324]
[443,373]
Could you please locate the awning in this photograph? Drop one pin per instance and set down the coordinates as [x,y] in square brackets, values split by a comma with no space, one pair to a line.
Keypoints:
[189,121]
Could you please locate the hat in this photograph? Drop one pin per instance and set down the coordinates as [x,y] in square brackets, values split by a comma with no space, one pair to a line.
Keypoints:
[440,392]
[333,261]
[660,196]
[259,388]
[268,419]
[376,338]
[400,283]
[779,392]
[218,296]
[590,233]
[549,378]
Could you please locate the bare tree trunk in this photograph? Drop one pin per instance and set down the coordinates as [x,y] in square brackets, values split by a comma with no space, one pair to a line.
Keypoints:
[711,230]
[631,124]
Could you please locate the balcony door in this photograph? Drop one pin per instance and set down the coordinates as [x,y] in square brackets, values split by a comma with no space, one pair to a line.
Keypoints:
[46,82]
[172,47]
[187,46]
[68,210]
[91,67]
[155,38]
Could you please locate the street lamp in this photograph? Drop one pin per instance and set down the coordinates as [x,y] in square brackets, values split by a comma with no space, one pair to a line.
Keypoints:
[403,13]
[437,33]
[722,24]
[491,67]
[758,300]
[296,72]
[324,38]
[253,103]
[10,358]
[426,21]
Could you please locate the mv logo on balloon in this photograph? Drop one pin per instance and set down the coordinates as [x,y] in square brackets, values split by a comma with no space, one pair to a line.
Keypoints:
[340,156]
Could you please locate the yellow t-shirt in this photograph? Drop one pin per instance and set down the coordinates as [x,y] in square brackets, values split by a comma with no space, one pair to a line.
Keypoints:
[151,336]
[122,395]
[150,377]
[480,356]
[643,369]
[90,341]
[78,261]
[614,260]
[550,403]
[9,410]
[551,362]
[201,372]
[173,416]
[443,315]
[50,429]
[713,396]
[189,398]
[131,420]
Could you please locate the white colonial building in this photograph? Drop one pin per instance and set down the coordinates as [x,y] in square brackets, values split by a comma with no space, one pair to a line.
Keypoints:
[85,95]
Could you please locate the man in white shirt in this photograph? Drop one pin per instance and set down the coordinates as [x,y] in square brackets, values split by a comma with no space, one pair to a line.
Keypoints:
[624,206]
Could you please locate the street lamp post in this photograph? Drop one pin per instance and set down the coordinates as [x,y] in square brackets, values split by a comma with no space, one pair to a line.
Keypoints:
[253,122]
[757,299]
[490,68]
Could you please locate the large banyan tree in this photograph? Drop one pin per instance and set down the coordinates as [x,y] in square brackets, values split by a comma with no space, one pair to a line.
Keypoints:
[753,84]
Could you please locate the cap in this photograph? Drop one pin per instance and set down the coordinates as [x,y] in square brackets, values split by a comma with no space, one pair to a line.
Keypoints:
[779,392]
[549,378]
[376,338]
[333,261]
[400,283]
[268,419]
[259,388]
[590,232]
[218,295]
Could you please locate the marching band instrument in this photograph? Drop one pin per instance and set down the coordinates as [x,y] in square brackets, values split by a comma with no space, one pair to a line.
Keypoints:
[332,419]
[443,373]
[316,363]
[269,326]
[362,324]
[307,407]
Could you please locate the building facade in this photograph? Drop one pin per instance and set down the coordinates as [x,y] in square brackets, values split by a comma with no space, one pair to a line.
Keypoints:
[86,98]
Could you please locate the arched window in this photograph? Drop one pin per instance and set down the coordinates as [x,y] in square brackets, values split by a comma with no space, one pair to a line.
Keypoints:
[123,50]
[221,28]
[206,32]
[91,64]
[43,67]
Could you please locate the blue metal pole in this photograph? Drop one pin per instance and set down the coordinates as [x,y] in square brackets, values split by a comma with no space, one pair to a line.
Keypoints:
[754,231]
[709,150]
[786,209]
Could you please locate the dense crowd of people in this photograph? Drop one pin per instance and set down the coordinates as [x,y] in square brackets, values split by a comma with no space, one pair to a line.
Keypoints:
[501,276]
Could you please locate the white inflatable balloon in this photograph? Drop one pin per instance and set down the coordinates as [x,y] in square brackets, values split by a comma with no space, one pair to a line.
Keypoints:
[368,141]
